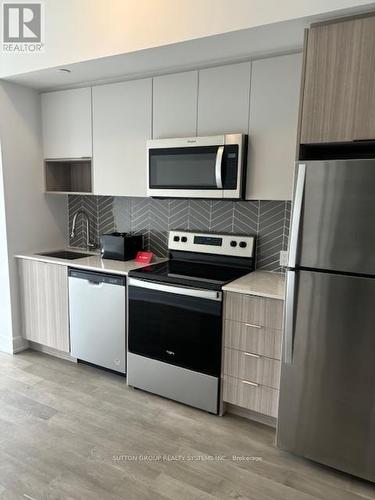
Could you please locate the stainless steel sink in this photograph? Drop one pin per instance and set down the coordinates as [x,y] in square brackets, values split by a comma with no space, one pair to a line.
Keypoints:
[65,254]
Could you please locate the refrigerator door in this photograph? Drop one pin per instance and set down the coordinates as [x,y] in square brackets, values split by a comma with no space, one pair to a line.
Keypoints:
[336,227]
[327,393]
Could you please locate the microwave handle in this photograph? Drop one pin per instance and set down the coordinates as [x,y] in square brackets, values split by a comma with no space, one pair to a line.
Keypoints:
[218,167]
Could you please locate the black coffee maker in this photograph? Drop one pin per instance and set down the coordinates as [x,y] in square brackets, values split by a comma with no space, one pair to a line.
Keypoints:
[120,246]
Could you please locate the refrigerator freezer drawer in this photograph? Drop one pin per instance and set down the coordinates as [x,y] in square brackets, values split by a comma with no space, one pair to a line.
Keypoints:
[252,367]
[251,396]
[253,338]
[258,311]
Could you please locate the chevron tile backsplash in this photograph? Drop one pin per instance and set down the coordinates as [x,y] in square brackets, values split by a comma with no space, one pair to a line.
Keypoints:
[268,220]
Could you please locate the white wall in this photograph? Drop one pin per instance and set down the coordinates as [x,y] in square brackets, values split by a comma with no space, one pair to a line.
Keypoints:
[78,30]
[34,221]
[6,342]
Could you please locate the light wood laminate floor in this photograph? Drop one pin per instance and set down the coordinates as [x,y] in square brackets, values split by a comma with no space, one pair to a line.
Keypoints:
[66,431]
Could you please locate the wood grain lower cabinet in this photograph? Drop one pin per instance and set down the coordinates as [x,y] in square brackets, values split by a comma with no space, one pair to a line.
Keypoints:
[252,352]
[252,310]
[252,367]
[251,396]
[251,338]
[44,297]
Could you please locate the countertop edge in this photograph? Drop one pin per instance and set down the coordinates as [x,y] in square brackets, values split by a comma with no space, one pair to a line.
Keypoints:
[90,267]
[254,284]
[258,283]
[249,291]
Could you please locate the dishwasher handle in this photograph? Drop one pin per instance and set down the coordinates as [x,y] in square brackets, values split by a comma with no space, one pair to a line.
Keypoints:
[97,278]
[99,284]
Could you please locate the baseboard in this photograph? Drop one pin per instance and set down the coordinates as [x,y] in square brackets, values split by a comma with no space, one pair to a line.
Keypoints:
[52,352]
[251,415]
[19,344]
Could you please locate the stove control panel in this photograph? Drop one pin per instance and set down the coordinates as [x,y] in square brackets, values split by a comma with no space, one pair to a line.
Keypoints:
[221,244]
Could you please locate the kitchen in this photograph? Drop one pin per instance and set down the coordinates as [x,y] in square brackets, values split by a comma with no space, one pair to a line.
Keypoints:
[168,315]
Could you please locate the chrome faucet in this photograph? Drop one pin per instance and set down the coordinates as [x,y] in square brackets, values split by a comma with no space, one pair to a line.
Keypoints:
[89,244]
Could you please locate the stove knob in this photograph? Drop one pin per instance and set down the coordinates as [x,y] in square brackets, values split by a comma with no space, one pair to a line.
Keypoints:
[233,243]
[184,239]
[176,238]
[243,244]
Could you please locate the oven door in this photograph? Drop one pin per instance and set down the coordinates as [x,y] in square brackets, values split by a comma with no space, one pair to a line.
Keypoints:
[176,325]
[201,167]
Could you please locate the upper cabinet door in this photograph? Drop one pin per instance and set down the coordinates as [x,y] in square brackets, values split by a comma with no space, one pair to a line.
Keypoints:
[332,69]
[364,126]
[121,127]
[66,118]
[223,99]
[275,89]
[175,105]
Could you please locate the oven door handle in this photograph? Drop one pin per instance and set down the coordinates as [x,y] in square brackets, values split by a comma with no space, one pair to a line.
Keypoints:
[177,290]
[218,167]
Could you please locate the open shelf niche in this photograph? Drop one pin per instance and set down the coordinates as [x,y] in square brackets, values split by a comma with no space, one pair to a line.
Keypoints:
[68,176]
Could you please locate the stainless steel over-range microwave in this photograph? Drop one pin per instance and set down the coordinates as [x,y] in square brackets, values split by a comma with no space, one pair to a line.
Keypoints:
[197,167]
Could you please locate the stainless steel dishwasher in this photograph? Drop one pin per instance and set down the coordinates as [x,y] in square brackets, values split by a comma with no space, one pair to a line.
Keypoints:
[97,307]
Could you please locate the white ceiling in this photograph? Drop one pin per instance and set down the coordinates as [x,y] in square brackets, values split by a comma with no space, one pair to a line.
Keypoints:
[252,43]
[219,49]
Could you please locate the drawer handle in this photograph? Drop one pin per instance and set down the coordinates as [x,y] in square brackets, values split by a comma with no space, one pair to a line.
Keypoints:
[250,383]
[252,326]
[252,355]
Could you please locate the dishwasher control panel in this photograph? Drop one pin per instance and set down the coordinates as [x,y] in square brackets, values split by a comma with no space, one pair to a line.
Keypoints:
[97,277]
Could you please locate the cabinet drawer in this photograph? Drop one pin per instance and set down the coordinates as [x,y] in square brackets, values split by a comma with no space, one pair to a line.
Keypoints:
[252,367]
[253,397]
[259,311]
[250,338]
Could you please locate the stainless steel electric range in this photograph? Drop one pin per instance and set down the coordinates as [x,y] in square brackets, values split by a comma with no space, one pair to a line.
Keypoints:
[175,316]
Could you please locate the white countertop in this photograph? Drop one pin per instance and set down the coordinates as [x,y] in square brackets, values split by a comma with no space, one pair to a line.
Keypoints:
[261,283]
[93,263]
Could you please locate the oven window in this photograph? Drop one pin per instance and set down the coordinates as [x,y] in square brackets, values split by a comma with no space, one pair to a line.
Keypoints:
[183,168]
[179,330]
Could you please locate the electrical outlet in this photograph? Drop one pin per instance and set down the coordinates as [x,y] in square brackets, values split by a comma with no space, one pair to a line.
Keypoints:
[283,258]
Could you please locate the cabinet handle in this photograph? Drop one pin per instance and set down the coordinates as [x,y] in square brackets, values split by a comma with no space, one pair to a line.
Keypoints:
[252,355]
[250,383]
[250,325]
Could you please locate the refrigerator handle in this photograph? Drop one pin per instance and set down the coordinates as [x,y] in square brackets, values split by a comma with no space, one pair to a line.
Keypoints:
[296,217]
[289,318]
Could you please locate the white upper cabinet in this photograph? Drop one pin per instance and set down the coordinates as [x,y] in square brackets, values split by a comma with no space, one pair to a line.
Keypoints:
[121,127]
[175,105]
[275,88]
[66,117]
[223,99]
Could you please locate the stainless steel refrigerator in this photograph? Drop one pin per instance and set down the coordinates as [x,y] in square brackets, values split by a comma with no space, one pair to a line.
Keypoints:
[327,394]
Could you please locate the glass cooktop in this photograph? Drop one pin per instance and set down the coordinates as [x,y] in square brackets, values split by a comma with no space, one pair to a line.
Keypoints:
[202,275]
